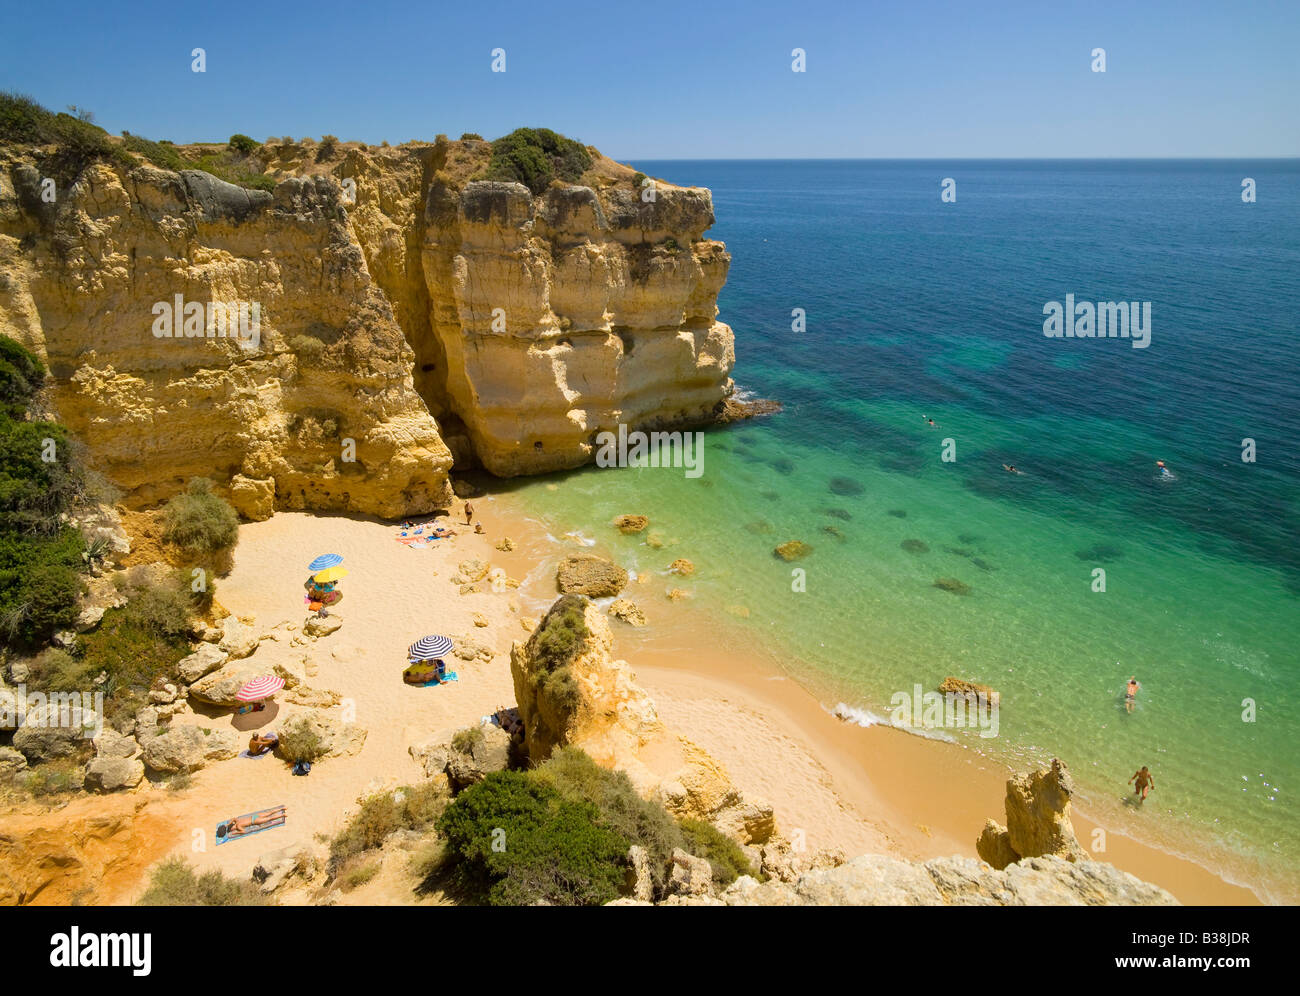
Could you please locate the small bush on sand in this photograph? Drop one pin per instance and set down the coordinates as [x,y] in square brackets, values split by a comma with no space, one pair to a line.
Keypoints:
[174,883]
[299,742]
[409,808]
[243,144]
[199,522]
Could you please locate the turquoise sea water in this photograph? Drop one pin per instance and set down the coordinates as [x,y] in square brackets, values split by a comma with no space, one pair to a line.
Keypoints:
[919,309]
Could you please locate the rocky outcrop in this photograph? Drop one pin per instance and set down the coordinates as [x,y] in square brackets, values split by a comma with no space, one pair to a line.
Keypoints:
[1038,820]
[876,880]
[586,574]
[188,748]
[572,692]
[567,314]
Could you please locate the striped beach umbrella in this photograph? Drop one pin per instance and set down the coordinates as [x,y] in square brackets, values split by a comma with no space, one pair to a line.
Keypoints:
[330,574]
[430,648]
[323,561]
[260,688]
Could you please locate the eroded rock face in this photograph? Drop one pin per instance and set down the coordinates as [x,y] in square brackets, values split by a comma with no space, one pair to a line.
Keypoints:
[877,880]
[564,315]
[267,417]
[525,324]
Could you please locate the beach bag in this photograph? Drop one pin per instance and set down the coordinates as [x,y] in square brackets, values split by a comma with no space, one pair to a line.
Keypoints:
[302,767]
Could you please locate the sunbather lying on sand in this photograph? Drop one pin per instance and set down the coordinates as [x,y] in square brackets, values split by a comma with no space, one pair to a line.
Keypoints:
[240,825]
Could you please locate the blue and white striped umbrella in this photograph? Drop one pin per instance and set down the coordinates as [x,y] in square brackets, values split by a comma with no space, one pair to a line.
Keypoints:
[323,561]
[430,648]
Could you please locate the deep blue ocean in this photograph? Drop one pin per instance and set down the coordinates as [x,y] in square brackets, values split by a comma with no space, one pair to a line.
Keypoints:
[918,309]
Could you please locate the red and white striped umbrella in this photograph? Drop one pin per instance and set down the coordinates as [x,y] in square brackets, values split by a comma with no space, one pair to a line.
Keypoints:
[260,688]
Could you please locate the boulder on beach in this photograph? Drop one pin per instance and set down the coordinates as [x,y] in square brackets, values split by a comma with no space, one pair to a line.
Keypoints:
[319,626]
[188,748]
[627,611]
[585,574]
[113,774]
[203,661]
[220,686]
[56,729]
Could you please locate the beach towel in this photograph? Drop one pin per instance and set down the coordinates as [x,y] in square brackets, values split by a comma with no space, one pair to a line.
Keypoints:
[252,830]
[266,753]
[449,676]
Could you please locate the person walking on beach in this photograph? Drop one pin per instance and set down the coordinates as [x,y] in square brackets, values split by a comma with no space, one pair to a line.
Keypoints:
[1142,782]
[1130,693]
[469,513]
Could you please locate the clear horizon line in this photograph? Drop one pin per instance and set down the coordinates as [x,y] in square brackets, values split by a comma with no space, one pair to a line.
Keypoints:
[1003,159]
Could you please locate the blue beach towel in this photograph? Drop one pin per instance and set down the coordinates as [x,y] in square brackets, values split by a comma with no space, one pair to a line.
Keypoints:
[223,838]
[449,676]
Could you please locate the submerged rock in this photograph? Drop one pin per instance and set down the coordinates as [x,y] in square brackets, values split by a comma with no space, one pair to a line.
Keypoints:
[793,550]
[628,524]
[915,546]
[953,585]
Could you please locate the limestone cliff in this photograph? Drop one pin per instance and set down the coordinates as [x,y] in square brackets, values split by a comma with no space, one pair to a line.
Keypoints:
[564,315]
[392,290]
[316,410]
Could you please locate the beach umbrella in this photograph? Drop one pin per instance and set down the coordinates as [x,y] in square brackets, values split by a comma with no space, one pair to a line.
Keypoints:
[330,574]
[325,560]
[430,648]
[259,688]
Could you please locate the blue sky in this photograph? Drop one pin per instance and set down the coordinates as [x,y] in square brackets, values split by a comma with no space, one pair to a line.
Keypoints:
[669,80]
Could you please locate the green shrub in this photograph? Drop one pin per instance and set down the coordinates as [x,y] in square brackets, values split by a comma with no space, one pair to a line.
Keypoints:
[174,883]
[144,640]
[328,146]
[21,376]
[354,878]
[535,157]
[519,842]
[638,178]
[53,778]
[383,814]
[162,156]
[471,136]
[704,840]
[299,742]
[467,739]
[578,778]
[243,144]
[562,634]
[40,556]
[199,522]
[77,140]
[56,670]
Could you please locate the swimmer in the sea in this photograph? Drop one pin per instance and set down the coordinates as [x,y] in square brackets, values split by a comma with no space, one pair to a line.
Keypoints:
[1164,471]
[1010,468]
[1130,693]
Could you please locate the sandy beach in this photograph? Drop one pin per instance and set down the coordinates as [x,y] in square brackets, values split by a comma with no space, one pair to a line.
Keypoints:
[859,790]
